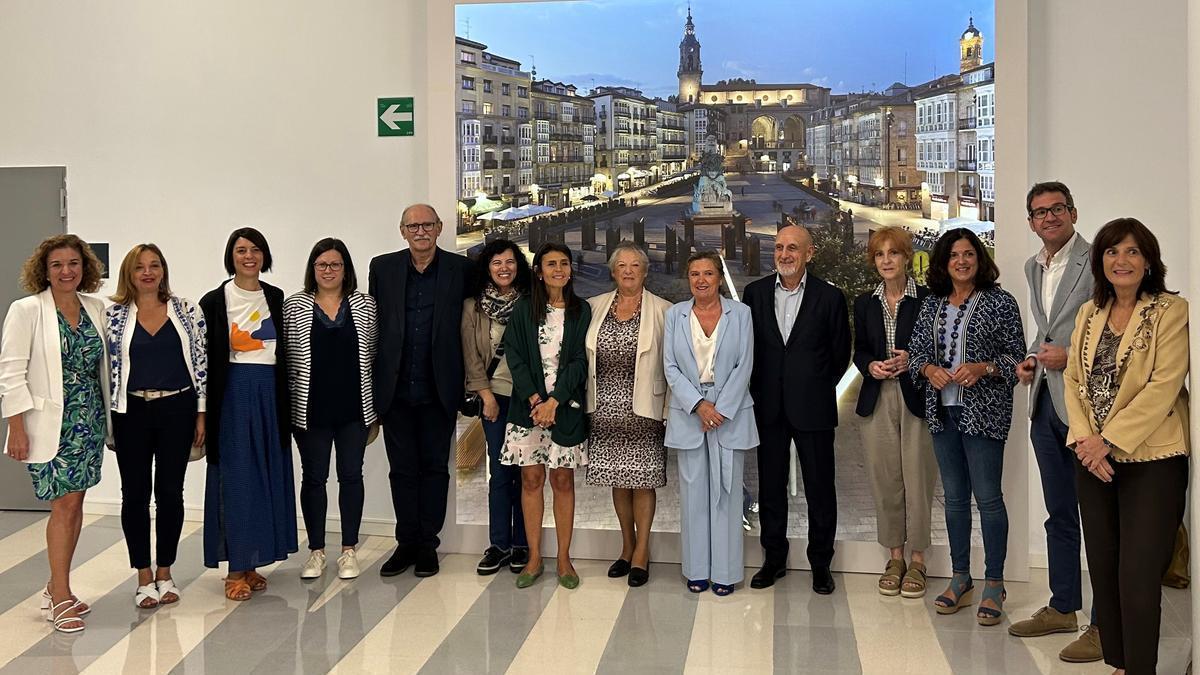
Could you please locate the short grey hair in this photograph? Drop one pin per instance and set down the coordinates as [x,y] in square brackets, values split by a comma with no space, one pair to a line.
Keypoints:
[711,256]
[631,247]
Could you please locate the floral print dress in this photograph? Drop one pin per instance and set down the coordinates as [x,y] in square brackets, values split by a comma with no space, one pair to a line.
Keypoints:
[76,467]
[532,446]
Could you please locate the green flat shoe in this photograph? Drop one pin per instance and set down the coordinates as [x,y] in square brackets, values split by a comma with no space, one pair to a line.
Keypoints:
[569,581]
[526,579]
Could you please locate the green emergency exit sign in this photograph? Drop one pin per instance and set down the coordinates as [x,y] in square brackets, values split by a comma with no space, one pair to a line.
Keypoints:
[395,116]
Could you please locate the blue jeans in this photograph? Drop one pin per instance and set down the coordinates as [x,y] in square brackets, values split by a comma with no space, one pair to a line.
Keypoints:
[506,522]
[972,465]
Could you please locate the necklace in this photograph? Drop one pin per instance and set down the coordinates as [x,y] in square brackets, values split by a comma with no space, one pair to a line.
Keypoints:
[948,347]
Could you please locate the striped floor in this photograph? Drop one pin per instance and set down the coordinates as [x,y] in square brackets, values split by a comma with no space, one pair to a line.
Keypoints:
[458,622]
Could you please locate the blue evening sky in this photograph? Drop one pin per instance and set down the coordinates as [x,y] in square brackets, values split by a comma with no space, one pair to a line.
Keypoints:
[848,45]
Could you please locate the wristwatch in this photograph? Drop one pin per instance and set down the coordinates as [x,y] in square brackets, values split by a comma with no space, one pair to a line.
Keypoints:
[991,370]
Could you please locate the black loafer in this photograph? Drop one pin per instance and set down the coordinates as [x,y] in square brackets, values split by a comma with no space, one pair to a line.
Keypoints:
[519,559]
[823,581]
[426,564]
[638,577]
[401,560]
[618,569]
[493,559]
[765,577]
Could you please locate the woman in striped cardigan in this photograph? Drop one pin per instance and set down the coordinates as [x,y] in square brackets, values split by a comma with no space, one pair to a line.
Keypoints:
[331,334]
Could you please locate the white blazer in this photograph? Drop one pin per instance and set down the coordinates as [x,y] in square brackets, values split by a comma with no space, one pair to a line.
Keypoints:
[649,381]
[31,370]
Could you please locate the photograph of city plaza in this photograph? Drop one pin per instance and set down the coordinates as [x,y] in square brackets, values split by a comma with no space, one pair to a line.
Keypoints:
[693,149]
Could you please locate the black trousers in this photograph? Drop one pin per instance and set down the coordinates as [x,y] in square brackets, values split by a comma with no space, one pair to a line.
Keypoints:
[1129,530]
[418,439]
[153,437]
[315,445]
[814,450]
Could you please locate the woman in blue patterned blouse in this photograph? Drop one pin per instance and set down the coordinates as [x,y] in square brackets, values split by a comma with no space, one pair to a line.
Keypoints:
[966,344]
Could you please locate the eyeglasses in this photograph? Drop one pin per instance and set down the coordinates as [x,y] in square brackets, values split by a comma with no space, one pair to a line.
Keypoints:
[1058,210]
[428,227]
[327,266]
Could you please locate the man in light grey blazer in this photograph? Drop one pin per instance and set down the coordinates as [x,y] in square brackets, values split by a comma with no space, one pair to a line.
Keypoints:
[1060,282]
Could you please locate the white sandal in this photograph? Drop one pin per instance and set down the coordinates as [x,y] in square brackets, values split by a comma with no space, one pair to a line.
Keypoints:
[165,586]
[61,621]
[147,592]
[46,604]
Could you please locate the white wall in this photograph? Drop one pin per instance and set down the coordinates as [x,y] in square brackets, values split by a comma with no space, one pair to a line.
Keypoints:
[1108,115]
[179,121]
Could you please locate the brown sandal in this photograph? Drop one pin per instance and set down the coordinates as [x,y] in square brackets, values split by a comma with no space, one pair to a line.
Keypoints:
[257,581]
[913,585]
[889,581]
[237,589]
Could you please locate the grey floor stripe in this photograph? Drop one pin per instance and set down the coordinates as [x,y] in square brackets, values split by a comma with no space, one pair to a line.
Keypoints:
[265,633]
[13,521]
[113,617]
[328,634]
[31,574]
[971,648]
[813,633]
[488,637]
[654,628]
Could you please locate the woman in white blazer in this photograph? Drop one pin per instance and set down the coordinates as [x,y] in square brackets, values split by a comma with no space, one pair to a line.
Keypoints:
[708,353]
[626,393]
[54,393]
[157,354]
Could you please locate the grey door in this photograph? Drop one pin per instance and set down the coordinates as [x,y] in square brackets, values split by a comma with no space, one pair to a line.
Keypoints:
[32,207]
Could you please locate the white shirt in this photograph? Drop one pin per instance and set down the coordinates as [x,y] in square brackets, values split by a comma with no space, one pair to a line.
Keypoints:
[1052,272]
[252,335]
[705,348]
[787,304]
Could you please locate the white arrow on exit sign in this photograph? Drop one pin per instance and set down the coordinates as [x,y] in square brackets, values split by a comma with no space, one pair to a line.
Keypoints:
[392,115]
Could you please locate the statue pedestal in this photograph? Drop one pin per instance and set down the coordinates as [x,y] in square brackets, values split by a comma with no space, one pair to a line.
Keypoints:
[716,216]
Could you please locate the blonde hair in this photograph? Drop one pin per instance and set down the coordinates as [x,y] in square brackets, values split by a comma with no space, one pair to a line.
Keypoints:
[34,277]
[890,234]
[126,288]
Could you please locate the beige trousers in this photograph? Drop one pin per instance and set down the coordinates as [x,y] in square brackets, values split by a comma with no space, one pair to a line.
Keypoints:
[902,470]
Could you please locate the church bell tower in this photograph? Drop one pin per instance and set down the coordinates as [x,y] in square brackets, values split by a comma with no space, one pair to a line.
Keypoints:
[970,48]
[689,63]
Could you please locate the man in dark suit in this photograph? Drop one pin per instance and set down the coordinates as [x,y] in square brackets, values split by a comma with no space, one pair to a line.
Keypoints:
[419,381]
[801,350]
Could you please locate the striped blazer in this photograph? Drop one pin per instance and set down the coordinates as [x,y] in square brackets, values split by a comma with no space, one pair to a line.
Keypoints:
[297,329]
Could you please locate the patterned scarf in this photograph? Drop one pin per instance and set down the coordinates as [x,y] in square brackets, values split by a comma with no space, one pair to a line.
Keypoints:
[496,306]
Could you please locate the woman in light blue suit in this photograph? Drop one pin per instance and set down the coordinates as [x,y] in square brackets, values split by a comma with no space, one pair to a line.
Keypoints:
[708,353]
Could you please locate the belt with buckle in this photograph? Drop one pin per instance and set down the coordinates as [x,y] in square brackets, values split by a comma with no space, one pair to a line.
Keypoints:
[155,394]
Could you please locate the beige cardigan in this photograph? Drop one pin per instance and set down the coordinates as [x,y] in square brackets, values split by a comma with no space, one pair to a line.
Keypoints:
[478,352]
[1149,417]
[649,381]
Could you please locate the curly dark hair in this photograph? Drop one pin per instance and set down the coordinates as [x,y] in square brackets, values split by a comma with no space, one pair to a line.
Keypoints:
[483,272]
[938,275]
[35,277]
[1112,234]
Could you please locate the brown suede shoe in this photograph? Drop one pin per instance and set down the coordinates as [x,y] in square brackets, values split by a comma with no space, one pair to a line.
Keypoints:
[1085,648]
[1045,621]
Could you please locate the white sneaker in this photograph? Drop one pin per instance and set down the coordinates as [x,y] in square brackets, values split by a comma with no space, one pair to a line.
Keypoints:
[348,565]
[315,566]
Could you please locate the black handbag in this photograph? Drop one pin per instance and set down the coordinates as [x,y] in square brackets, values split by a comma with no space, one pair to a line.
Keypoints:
[471,405]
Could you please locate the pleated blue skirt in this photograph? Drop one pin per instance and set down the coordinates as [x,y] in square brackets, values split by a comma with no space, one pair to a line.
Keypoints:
[249,496]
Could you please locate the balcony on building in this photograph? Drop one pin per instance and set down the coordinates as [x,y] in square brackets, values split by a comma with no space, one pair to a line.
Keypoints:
[508,164]
[968,191]
[965,123]
[966,165]
[543,114]
[489,139]
[508,140]
[508,189]
[491,164]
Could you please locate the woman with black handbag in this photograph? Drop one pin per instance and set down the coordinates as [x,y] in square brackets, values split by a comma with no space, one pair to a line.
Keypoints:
[503,277]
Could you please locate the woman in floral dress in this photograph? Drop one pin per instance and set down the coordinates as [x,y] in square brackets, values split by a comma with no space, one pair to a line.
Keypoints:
[544,347]
[53,391]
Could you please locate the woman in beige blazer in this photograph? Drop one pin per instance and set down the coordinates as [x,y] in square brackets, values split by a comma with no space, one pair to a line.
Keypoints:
[1128,413]
[54,392]
[626,398]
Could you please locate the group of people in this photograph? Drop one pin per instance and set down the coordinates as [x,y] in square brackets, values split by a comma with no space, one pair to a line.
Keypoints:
[612,384]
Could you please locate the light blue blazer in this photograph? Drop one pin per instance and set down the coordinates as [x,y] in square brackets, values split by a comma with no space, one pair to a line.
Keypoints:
[732,364]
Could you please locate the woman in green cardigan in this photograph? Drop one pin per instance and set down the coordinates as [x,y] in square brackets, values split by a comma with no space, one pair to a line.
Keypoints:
[544,347]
